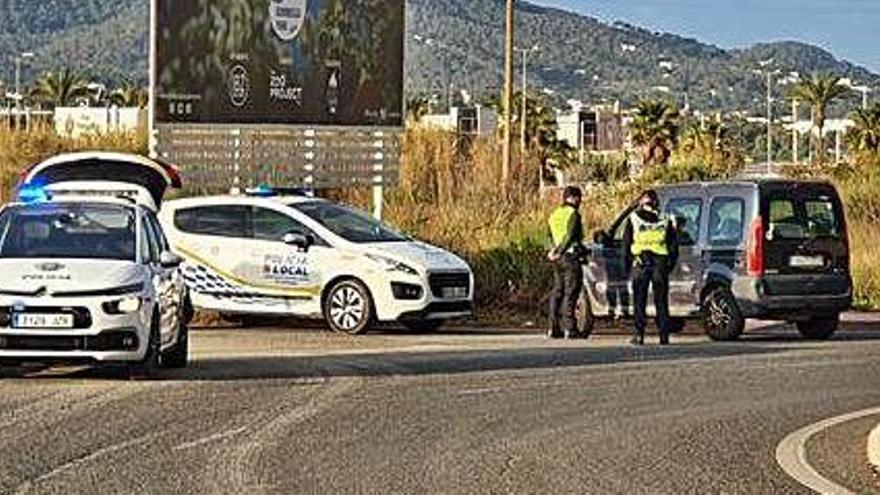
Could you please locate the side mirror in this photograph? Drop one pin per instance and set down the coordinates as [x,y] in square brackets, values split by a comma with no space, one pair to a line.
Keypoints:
[601,238]
[169,260]
[299,240]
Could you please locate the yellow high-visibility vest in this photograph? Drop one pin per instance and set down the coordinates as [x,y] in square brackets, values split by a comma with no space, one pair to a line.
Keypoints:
[649,237]
[559,221]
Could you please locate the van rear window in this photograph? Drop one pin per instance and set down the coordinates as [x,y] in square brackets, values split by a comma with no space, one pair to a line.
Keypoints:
[804,218]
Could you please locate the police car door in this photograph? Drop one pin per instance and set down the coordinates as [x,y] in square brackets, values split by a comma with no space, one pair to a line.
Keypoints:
[294,274]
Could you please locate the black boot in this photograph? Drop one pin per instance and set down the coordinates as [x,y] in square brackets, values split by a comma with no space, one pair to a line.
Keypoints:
[664,339]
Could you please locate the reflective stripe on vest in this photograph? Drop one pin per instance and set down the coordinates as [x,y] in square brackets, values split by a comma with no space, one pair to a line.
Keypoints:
[649,237]
[559,220]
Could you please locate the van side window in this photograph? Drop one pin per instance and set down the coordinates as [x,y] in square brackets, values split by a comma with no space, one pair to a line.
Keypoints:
[726,218]
[217,220]
[686,212]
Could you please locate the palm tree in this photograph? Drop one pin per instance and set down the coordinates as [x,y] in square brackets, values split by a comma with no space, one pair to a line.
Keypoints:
[865,135]
[655,128]
[60,88]
[417,107]
[819,91]
[129,95]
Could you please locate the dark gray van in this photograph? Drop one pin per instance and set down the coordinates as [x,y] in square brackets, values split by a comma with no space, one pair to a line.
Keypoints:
[767,249]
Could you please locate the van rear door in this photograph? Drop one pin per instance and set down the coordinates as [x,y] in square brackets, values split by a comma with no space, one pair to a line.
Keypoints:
[806,249]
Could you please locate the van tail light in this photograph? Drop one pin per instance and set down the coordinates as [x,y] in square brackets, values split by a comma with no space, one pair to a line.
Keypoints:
[755,260]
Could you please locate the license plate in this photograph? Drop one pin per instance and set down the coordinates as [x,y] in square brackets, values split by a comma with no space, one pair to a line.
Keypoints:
[806,261]
[34,320]
[454,292]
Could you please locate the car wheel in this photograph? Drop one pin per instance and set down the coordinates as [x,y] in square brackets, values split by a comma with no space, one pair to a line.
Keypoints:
[586,320]
[722,319]
[348,307]
[819,328]
[178,355]
[676,325]
[147,366]
[423,326]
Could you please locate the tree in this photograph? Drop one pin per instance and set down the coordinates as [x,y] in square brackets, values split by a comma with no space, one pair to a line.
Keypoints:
[865,135]
[59,88]
[129,95]
[655,129]
[819,92]
[417,107]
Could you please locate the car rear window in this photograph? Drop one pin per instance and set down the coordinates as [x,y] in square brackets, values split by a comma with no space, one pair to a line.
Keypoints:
[216,220]
[804,216]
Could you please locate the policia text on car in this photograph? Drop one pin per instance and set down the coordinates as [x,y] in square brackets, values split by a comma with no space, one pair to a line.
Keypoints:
[567,256]
[650,248]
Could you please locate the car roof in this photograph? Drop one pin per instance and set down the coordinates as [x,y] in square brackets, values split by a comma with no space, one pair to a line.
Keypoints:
[240,199]
[742,182]
[72,198]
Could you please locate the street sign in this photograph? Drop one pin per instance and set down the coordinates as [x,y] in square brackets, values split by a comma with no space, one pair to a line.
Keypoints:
[308,92]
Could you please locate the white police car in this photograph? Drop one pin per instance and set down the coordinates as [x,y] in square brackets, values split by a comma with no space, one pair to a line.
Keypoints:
[86,274]
[268,254]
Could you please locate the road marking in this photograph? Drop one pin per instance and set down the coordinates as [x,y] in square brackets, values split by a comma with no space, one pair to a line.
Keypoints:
[211,438]
[791,454]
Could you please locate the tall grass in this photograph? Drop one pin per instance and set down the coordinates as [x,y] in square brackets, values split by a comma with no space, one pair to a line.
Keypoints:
[451,194]
[19,149]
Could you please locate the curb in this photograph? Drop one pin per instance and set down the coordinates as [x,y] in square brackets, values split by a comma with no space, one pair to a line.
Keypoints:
[874,449]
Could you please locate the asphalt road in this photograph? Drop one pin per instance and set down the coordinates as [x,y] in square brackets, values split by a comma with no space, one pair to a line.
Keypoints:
[465,411]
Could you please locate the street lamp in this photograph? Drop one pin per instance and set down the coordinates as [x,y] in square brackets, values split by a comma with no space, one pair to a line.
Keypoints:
[525,55]
[862,88]
[765,66]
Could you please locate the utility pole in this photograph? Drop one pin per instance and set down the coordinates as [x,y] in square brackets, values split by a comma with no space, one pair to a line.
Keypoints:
[508,95]
[795,136]
[769,120]
[524,117]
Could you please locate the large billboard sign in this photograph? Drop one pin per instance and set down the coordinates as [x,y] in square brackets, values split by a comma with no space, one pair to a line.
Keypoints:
[293,62]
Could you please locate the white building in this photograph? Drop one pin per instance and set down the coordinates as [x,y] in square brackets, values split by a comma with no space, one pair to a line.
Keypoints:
[77,121]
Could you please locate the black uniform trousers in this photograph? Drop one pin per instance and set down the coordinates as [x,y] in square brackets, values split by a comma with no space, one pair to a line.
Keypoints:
[651,270]
[568,281]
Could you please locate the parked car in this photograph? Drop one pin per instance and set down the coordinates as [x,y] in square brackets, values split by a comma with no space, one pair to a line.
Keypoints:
[767,249]
[86,274]
[268,253]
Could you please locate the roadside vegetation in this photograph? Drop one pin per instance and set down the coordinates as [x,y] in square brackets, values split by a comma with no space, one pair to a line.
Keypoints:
[451,193]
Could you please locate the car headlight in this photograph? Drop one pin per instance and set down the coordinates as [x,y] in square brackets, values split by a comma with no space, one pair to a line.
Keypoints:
[393,265]
[127,305]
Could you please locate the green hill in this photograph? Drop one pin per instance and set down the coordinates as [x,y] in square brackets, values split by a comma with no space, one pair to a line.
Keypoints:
[580,56]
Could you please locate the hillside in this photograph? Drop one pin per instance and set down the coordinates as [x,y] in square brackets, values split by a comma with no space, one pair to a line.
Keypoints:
[580,56]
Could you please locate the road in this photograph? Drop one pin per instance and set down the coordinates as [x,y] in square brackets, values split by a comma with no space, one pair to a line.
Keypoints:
[464,411]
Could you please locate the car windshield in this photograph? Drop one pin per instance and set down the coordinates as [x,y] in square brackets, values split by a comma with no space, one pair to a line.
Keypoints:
[349,223]
[85,231]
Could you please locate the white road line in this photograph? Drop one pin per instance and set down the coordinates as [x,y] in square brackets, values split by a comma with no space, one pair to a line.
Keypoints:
[791,454]
[211,438]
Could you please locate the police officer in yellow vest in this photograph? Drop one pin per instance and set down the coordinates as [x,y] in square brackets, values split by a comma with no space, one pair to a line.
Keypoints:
[567,232]
[650,248]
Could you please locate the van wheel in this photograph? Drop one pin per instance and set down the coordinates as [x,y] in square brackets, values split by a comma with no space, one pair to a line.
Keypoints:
[676,325]
[348,307]
[586,320]
[722,319]
[819,328]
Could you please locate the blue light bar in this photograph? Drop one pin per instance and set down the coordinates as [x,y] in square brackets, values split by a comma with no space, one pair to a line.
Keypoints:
[261,191]
[32,193]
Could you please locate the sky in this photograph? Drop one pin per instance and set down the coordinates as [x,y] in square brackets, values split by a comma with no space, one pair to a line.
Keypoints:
[850,29]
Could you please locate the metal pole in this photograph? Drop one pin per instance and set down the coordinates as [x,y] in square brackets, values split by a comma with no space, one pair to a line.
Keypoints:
[152,133]
[17,92]
[523,142]
[508,95]
[769,120]
[795,136]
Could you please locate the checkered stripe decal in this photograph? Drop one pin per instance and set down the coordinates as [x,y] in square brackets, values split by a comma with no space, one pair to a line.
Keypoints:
[204,281]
